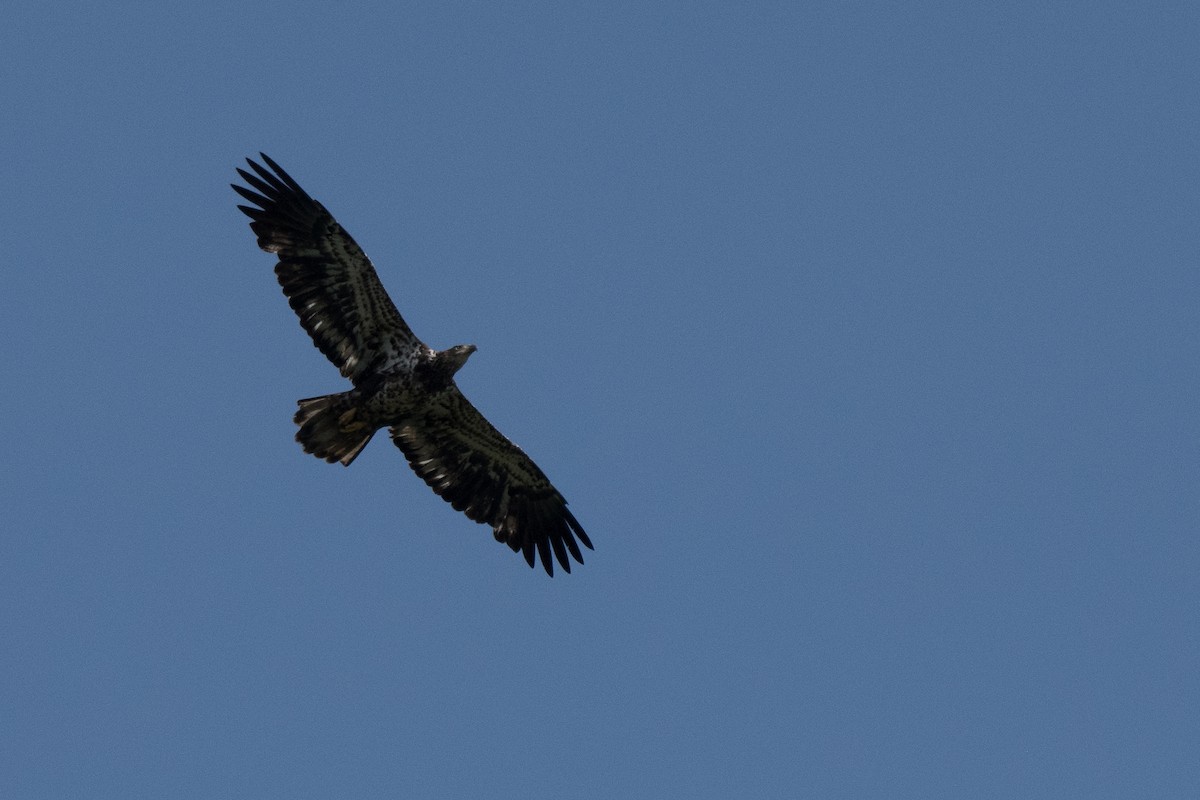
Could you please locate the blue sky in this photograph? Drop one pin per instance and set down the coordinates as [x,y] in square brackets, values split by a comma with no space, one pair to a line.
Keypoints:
[862,339]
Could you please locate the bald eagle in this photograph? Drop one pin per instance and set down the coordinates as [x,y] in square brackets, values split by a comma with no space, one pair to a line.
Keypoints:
[398,381]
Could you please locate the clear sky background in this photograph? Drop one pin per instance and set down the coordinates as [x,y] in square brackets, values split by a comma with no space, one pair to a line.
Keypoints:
[862,338]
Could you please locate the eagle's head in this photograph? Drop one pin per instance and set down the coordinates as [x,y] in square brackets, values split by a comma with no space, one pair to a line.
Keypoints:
[453,358]
[437,370]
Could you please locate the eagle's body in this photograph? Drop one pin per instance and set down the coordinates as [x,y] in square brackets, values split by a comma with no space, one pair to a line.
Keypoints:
[399,383]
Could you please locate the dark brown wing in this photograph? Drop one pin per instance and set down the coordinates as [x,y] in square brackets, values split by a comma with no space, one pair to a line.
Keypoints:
[329,281]
[482,474]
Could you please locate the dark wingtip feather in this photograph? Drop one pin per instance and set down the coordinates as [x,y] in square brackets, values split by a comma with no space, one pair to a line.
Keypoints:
[281,174]
[560,552]
[253,197]
[573,525]
[543,548]
[264,175]
[569,540]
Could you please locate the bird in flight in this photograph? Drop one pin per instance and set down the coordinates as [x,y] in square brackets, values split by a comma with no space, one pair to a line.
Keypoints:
[398,381]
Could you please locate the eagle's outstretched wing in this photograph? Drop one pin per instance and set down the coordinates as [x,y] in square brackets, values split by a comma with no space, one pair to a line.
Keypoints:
[329,281]
[481,473]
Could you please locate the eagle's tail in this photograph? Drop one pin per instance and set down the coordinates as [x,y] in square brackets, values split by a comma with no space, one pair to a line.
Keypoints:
[331,427]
